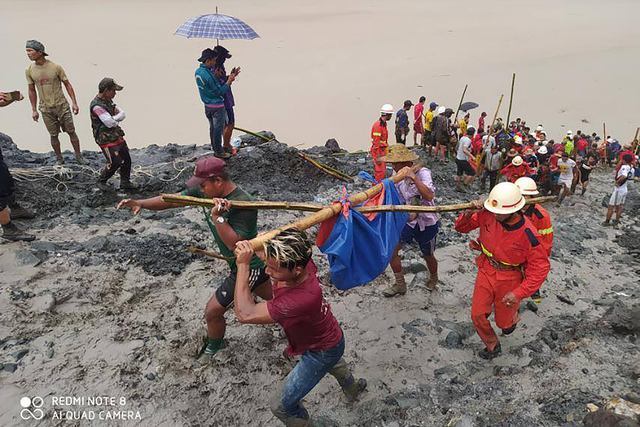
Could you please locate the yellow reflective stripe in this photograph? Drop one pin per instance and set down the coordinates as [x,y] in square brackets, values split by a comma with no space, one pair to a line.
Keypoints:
[490,255]
[545,231]
[376,134]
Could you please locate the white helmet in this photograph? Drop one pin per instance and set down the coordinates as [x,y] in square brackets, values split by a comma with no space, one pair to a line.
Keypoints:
[386,109]
[539,128]
[543,150]
[569,133]
[441,109]
[517,161]
[505,198]
[527,186]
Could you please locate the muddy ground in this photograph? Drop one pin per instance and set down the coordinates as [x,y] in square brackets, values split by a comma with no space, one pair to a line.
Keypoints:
[106,304]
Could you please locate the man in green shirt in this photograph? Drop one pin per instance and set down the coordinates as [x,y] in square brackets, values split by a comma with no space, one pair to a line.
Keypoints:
[228,226]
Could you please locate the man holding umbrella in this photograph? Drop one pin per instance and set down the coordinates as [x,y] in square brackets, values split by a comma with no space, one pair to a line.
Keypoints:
[212,92]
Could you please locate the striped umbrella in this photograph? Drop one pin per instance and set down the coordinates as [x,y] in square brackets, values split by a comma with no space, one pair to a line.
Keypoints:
[216,26]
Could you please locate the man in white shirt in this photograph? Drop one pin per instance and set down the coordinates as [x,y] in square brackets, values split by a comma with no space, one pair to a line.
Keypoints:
[465,173]
[567,168]
[619,195]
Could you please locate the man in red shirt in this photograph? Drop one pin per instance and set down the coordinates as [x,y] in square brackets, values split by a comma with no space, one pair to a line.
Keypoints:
[299,307]
[418,124]
[512,264]
[379,142]
[516,169]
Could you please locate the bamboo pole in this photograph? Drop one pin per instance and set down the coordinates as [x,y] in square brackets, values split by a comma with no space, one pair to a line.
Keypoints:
[326,168]
[210,254]
[634,143]
[495,117]
[513,82]
[241,204]
[442,208]
[455,120]
[604,132]
[327,212]
[257,135]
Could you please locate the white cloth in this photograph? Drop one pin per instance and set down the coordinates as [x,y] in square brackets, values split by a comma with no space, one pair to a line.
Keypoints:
[463,144]
[106,118]
[566,170]
[618,196]
[626,171]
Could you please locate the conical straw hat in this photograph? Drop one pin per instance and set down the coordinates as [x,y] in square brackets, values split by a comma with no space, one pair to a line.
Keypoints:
[399,154]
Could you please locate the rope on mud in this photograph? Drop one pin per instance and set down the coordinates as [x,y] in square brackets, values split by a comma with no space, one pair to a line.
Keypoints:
[61,174]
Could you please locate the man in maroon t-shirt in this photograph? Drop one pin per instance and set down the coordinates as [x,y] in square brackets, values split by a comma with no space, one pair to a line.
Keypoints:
[299,307]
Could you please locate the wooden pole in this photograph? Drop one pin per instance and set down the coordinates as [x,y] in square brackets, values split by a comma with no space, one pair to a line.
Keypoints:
[326,168]
[495,117]
[513,82]
[604,132]
[257,135]
[240,204]
[327,212]
[634,143]
[443,208]
[455,120]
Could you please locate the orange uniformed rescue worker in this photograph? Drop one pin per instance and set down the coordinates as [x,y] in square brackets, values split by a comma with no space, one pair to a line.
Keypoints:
[538,215]
[540,219]
[379,144]
[512,264]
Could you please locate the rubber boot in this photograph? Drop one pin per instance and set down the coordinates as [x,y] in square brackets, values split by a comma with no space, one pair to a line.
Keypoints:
[399,288]
[12,232]
[488,355]
[432,283]
[355,390]
[18,212]
[127,185]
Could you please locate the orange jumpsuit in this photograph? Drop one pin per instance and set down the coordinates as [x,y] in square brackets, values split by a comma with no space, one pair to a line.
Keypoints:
[512,260]
[379,137]
[541,220]
[512,173]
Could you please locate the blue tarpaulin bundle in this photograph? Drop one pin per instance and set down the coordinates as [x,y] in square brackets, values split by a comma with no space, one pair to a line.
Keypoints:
[358,248]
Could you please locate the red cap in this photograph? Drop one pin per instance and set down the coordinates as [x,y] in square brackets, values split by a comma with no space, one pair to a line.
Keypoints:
[206,167]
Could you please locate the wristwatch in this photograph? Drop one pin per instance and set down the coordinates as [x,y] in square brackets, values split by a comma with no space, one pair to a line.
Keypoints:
[220,220]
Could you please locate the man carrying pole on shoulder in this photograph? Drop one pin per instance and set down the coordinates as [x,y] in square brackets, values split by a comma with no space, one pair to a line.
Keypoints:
[299,307]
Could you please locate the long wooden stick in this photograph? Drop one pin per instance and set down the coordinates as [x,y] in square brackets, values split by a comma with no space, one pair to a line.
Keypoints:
[455,119]
[326,168]
[241,204]
[604,132]
[495,117]
[210,254]
[442,208]
[513,82]
[328,212]
[257,135]
[634,143]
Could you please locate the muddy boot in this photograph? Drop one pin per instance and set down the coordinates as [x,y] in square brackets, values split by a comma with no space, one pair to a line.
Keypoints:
[211,346]
[355,390]
[12,232]
[510,330]
[488,355]
[399,288]
[127,185]
[18,212]
[432,283]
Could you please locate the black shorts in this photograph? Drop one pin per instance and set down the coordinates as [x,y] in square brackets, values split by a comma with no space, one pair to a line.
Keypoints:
[7,186]
[584,177]
[464,167]
[224,293]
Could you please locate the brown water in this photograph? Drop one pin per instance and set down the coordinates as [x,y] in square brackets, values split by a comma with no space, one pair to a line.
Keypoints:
[322,69]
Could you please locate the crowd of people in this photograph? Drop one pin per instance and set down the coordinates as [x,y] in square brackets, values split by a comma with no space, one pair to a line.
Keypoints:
[514,243]
[499,151]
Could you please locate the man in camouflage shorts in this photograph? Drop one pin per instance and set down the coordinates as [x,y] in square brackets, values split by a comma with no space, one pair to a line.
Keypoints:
[45,80]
